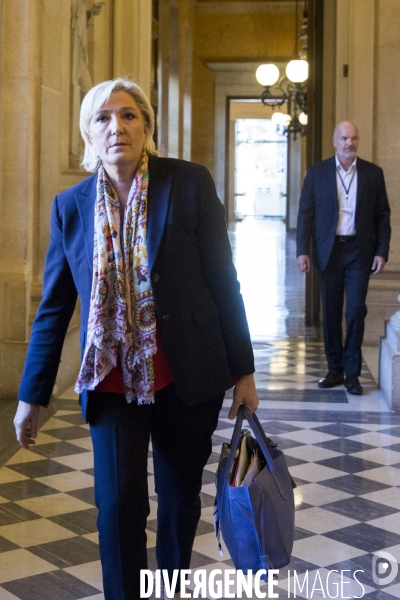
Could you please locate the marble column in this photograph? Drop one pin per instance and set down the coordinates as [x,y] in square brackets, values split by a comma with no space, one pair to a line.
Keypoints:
[170,112]
[367,42]
[34,167]
[355,50]
[132,41]
[20,151]
[387,147]
[387,114]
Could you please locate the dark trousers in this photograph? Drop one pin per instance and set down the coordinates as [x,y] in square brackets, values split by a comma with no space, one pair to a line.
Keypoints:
[344,276]
[181,444]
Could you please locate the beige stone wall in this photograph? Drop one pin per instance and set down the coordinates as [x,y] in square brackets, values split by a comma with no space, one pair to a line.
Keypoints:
[386,146]
[35,162]
[19,209]
[366,39]
[363,34]
[193,34]
[176,31]
[231,37]
[132,41]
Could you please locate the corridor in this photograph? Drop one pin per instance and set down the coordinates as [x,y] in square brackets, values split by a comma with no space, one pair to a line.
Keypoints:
[343,452]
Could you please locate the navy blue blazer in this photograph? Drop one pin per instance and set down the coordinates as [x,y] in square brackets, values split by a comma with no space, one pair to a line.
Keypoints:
[319,213]
[199,307]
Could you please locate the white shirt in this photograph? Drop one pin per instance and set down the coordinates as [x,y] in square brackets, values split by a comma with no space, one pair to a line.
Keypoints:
[346,183]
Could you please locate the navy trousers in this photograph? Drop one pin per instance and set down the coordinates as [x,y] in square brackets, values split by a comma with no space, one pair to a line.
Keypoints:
[181,445]
[344,276]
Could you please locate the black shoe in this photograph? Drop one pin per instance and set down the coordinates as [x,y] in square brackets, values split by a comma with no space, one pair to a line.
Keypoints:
[352,385]
[331,380]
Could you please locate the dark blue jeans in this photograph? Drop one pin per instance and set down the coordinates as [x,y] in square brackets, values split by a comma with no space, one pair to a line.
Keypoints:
[181,440]
[343,277]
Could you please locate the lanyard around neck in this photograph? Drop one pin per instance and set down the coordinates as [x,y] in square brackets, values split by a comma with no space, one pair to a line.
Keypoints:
[347,190]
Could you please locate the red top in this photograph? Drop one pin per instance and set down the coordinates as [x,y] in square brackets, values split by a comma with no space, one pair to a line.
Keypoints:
[113,382]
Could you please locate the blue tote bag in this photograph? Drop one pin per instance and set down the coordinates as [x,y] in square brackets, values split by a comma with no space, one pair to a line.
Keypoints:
[256,519]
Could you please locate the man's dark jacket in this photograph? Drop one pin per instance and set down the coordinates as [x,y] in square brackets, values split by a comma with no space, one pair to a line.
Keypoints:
[199,307]
[319,213]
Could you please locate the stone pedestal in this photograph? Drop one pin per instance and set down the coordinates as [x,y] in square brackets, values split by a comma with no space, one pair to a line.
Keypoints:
[389,362]
[381,303]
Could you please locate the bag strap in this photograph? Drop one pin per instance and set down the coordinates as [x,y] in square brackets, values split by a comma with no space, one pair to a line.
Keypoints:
[217,528]
[237,432]
[263,441]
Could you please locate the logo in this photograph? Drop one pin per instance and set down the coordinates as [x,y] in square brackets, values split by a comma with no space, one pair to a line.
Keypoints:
[384,564]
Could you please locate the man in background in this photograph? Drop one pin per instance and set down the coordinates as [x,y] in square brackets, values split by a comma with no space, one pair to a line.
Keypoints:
[344,216]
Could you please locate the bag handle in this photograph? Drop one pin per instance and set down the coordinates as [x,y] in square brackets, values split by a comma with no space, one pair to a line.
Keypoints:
[252,419]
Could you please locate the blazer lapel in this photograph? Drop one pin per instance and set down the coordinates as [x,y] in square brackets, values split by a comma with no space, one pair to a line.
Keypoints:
[332,185]
[85,200]
[360,185]
[160,181]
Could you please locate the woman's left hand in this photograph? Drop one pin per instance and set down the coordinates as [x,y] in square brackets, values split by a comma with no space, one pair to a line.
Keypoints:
[244,393]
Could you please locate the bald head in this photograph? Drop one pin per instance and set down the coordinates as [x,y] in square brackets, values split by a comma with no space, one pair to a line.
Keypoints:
[345,141]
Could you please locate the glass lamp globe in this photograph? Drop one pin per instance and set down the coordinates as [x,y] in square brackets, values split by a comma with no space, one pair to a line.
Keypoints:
[286,120]
[303,118]
[277,118]
[267,75]
[297,71]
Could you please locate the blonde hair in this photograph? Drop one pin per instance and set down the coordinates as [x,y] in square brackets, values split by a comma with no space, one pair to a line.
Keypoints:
[96,98]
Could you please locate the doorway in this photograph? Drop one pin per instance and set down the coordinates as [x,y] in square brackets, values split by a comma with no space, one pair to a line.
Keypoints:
[260,169]
[257,182]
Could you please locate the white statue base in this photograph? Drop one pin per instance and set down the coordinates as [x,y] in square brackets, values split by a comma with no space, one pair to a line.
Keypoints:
[389,362]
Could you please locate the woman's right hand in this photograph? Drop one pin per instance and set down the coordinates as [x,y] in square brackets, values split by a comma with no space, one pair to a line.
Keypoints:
[244,393]
[26,423]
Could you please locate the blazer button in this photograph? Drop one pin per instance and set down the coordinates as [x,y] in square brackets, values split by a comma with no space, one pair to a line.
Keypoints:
[165,318]
[155,277]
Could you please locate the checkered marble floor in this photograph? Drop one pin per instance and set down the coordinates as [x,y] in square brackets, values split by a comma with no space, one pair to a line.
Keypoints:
[295,364]
[343,452]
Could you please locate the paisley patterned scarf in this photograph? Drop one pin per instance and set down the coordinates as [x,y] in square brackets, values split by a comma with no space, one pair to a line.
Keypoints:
[122,318]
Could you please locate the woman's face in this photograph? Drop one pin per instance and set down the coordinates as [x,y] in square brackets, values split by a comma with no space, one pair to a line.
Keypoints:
[118,132]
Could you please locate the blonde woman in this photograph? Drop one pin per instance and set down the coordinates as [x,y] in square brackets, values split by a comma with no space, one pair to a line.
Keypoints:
[143,243]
